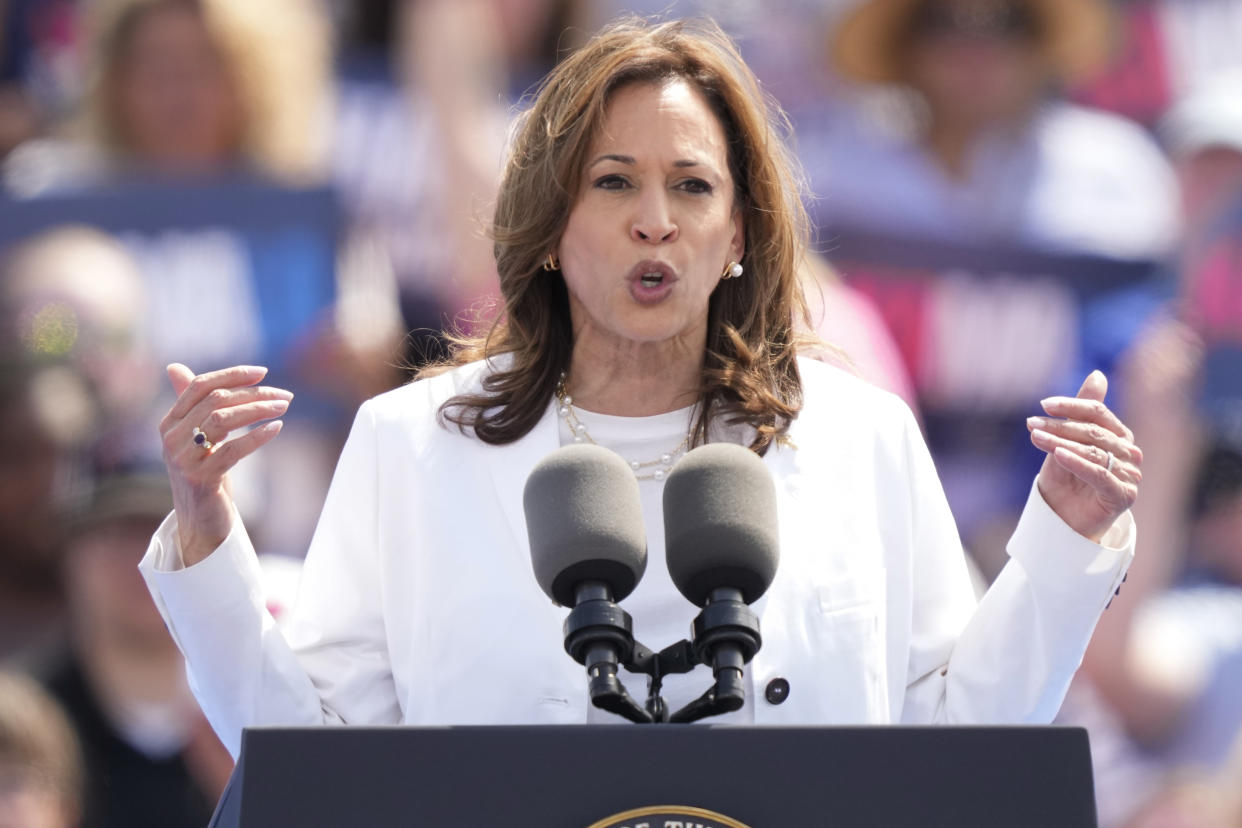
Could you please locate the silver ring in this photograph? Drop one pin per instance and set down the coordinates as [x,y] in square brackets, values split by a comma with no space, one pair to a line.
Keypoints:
[200,440]
[1109,466]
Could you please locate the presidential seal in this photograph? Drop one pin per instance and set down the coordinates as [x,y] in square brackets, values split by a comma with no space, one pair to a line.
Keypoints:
[669,816]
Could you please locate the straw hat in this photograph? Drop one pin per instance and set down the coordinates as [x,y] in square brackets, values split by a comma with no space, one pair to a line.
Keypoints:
[1076,37]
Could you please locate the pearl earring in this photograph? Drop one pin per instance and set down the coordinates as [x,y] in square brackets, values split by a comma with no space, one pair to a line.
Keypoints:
[732,271]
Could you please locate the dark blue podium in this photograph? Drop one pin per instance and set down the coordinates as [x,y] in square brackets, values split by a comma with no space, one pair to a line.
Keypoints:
[577,776]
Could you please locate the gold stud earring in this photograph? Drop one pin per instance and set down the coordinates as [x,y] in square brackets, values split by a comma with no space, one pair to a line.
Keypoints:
[551,264]
[731,271]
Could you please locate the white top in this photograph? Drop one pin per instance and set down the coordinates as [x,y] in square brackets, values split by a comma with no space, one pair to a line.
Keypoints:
[418,604]
[660,613]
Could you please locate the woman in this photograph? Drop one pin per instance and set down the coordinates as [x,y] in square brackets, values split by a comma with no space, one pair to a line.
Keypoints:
[647,232]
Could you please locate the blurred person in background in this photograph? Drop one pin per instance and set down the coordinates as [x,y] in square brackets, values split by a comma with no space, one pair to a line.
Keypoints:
[151,760]
[40,763]
[425,92]
[77,303]
[75,374]
[40,67]
[190,92]
[982,149]
[190,87]
[1167,660]
[33,453]
[1171,48]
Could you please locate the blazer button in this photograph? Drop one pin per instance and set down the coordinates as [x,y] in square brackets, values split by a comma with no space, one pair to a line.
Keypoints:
[777,691]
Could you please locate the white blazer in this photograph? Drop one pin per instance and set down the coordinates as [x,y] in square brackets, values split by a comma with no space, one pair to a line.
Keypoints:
[418,603]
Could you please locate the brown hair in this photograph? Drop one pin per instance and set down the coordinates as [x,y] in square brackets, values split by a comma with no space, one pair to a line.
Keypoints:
[750,374]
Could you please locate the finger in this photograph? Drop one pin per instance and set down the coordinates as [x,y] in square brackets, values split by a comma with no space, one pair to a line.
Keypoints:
[223,421]
[180,376]
[225,398]
[1090,411]
[1094,387]
[1123,470]
[204,384]
[1090,434]
[227,455]
[217,398]
[1095,476]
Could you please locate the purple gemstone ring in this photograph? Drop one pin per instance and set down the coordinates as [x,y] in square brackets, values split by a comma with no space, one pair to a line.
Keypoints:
[200,440]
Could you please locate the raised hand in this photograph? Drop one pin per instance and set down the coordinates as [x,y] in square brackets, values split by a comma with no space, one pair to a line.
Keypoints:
[199,454]
[1091,474]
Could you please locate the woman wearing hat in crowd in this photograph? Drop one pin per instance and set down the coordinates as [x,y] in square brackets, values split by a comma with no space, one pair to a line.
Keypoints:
[985,150]
[647,235]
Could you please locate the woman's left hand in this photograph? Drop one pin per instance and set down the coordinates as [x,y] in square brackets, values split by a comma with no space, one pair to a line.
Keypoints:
[1091,474]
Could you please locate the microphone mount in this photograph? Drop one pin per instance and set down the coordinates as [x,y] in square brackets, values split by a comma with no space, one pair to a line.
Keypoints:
[599,635]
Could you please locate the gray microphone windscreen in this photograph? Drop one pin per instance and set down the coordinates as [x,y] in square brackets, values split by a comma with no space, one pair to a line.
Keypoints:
[584,519]
[720,523]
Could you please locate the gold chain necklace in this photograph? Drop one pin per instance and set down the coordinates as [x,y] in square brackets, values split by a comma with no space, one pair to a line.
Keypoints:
[664,463]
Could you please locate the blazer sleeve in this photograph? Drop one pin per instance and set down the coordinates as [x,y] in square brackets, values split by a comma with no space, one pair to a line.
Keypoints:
[330,664]
[1010,658]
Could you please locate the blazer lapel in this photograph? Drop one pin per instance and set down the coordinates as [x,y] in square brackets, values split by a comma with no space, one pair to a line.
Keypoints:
[511,464]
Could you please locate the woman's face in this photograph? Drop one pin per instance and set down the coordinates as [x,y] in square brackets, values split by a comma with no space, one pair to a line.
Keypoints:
[174,101]
[654,224]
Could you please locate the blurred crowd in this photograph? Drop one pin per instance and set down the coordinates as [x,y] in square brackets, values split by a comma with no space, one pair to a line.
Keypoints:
[1005,193]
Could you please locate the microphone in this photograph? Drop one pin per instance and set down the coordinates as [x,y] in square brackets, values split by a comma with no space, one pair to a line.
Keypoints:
[722,544]
[589,550]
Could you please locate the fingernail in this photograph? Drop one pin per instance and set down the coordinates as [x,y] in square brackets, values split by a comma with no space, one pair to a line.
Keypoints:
[1047,401]
[1040,436]
[280,405]
[1036,422]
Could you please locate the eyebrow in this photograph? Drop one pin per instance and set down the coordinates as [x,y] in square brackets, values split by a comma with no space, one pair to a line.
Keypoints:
[629,161]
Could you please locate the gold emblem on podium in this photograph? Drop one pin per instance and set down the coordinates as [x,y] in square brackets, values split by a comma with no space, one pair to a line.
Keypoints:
[668,816]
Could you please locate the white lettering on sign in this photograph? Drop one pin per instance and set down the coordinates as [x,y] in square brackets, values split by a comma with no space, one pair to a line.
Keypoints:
[201,305]
[997,342]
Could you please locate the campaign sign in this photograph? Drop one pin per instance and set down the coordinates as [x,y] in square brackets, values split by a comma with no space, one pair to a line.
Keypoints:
[986,333]
[236,270]
[993,329]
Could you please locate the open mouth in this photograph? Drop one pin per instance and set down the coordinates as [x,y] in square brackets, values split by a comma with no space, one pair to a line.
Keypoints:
[652,276]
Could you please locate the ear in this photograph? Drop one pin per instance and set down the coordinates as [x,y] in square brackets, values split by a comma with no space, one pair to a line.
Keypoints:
[737,246]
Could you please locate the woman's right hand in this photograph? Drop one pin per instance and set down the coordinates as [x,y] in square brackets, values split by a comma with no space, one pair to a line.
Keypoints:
[217,403]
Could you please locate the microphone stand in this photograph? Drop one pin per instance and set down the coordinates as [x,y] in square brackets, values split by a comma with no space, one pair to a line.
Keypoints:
[599,634]
[726,636]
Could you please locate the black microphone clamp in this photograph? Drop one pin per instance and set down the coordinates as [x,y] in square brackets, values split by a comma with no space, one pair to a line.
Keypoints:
[600,636]
[726,636]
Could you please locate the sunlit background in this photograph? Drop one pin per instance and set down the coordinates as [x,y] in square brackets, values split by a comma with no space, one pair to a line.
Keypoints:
[1005,194]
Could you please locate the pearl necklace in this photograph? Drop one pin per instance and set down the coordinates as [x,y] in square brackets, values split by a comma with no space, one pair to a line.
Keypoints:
[663,464]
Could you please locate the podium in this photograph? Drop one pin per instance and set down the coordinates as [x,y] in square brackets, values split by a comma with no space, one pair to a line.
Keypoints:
[709,776]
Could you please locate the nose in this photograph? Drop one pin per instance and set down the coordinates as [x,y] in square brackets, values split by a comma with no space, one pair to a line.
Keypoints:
[653,222]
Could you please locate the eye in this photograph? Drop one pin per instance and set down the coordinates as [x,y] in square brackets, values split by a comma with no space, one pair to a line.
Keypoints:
[696,186]
[610,182]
